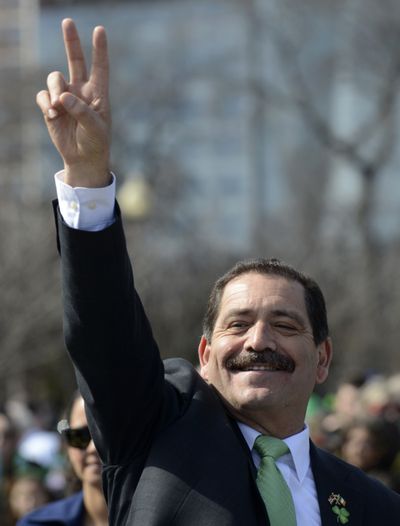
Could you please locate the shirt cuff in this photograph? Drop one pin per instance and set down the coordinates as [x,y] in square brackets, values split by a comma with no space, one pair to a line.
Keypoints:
[90,209]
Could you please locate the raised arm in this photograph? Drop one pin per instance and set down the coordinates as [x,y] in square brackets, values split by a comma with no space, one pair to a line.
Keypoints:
[77,112]
[109,339]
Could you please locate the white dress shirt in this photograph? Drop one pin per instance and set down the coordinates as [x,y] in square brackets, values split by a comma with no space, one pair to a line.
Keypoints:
[86,208]
[296,470]
[92,209]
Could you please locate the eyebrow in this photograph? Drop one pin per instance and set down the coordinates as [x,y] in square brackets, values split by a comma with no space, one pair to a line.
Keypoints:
[237,312]
[287,313]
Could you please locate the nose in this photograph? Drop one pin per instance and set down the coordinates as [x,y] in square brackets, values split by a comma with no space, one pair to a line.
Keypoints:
[260,338]
[91,447]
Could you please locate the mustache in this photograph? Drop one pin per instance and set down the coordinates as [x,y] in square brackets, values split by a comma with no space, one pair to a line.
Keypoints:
[272,359]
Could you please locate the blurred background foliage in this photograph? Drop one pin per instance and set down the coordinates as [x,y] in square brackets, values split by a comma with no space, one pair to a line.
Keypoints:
[240,129]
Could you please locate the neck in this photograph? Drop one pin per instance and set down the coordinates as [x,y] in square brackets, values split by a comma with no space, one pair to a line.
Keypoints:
[95,506]
[269,424]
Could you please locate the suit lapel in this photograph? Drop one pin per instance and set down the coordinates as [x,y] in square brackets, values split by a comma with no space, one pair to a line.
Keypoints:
[330,477]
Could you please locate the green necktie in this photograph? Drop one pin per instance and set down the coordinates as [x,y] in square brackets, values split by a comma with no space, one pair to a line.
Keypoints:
[272,486]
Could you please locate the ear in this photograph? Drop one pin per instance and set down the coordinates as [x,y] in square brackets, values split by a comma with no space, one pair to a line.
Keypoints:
[325,352]
[204,356]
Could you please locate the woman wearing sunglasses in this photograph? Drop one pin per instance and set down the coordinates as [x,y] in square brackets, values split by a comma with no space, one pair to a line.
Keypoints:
[86,507]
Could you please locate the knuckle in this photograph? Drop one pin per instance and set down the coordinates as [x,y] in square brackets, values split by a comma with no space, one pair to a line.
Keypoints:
[79,109]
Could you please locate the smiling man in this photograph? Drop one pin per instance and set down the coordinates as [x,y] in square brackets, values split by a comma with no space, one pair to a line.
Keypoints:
[262,350]
[228,447]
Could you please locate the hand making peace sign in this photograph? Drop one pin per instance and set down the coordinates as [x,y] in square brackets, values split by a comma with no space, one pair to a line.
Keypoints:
[77,113]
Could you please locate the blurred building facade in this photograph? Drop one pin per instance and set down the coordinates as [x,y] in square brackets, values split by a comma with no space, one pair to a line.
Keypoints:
[19,59]
[198,81]
[248,127]
[194,99]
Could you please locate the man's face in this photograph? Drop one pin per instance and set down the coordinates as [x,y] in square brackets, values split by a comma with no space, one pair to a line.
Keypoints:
[262,357]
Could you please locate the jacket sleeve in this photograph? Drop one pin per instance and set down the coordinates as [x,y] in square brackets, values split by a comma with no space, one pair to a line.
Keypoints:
[118,367]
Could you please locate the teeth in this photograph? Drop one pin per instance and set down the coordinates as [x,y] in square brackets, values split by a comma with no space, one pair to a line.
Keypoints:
[259,368]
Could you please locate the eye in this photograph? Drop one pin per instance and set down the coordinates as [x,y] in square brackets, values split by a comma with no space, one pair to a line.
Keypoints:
[286,327]
[238,325]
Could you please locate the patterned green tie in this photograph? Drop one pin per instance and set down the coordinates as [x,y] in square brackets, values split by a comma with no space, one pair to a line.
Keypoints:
[273,488]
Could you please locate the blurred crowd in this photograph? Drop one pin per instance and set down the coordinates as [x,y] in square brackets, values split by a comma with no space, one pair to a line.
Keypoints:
[359,422]
[33,467]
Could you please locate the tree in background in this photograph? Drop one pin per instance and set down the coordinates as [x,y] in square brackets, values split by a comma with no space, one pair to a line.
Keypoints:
[299,63]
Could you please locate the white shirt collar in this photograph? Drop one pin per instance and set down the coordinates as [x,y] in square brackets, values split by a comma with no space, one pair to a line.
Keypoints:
[298,444]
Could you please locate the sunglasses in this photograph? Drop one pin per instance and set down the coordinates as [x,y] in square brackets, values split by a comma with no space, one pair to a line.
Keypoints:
[78,437]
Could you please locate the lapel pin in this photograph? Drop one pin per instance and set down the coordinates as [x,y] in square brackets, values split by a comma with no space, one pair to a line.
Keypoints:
[338,504]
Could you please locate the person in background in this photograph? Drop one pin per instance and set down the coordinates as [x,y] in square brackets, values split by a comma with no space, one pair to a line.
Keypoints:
[337,410]
[27,492]
[8,444]
[372,444]
[86,507]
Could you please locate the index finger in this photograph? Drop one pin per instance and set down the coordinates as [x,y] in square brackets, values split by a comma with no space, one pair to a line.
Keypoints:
[100,66]
[73,48]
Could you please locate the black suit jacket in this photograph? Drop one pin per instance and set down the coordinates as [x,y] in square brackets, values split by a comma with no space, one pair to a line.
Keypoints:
[171,453]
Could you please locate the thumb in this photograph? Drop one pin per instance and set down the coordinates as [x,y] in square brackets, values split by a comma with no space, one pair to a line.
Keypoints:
[79,110]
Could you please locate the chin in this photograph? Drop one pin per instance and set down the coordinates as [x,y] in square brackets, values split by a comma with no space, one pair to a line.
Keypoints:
[259,398]
[94,480]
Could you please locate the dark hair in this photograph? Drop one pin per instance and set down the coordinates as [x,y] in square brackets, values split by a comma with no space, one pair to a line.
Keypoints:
[385,436]
[72,483]
[314,299]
